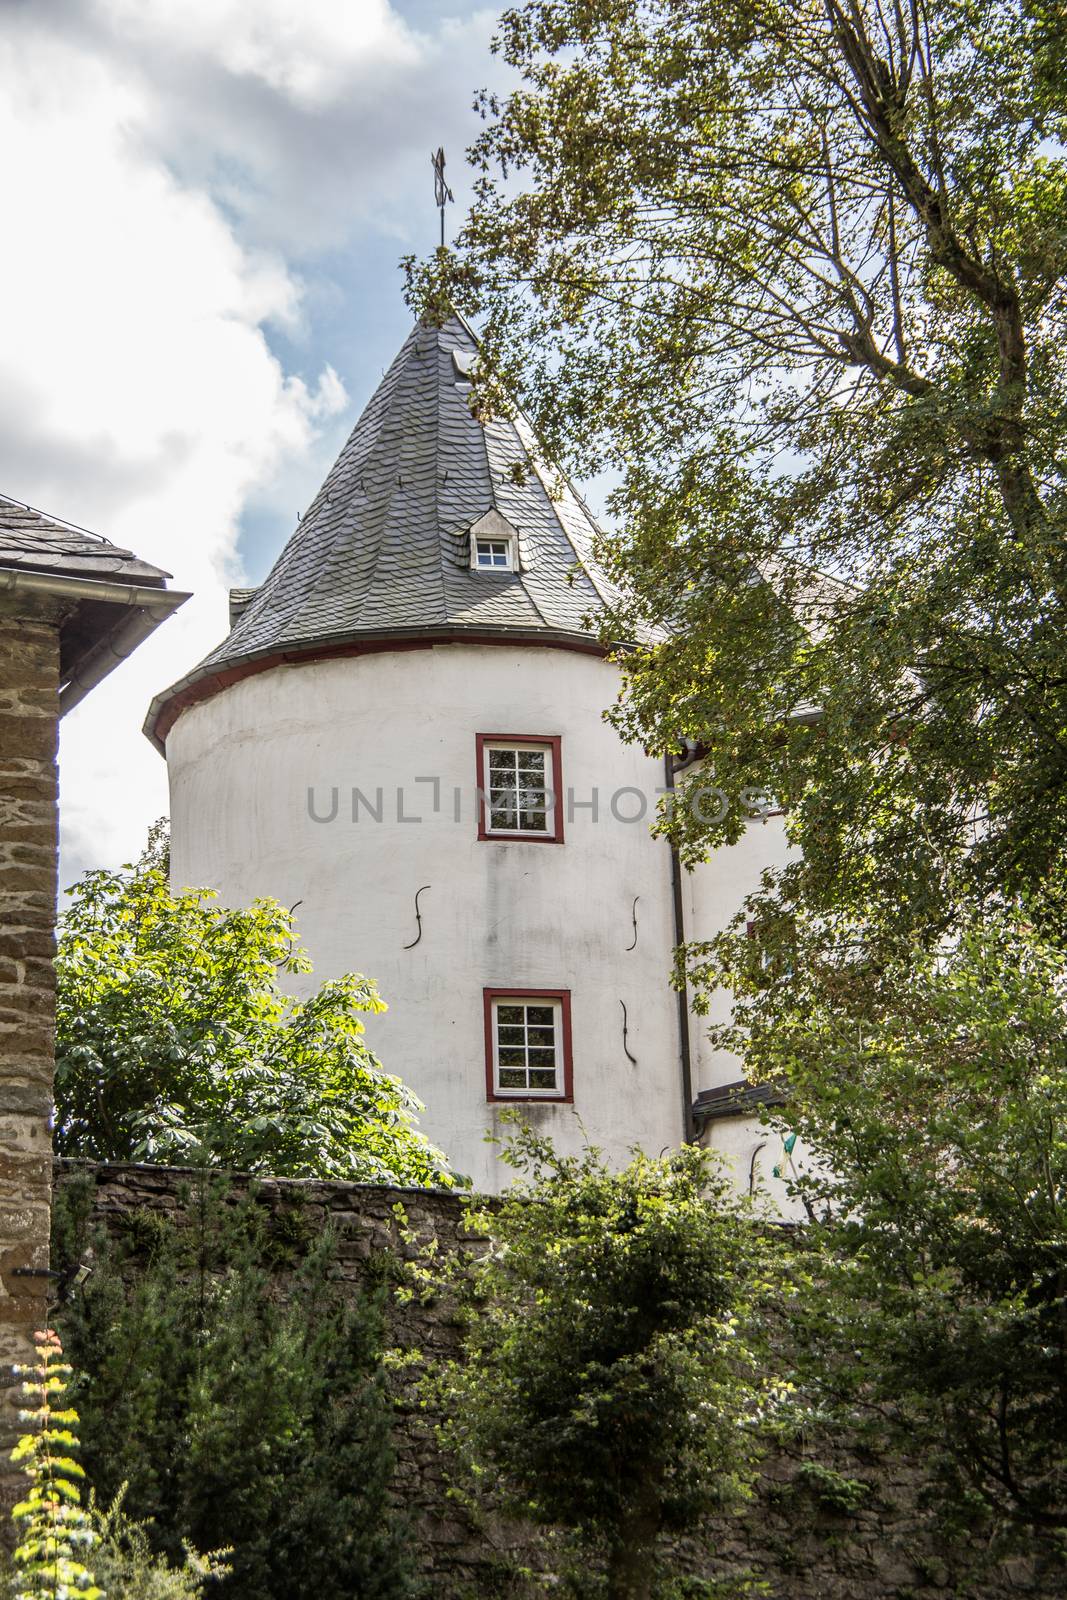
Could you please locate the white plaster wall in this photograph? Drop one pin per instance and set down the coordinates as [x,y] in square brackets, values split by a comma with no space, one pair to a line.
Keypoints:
[714,891]
[756,1157]
[496,914]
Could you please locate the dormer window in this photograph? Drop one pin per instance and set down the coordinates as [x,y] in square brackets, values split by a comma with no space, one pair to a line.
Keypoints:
[494,544]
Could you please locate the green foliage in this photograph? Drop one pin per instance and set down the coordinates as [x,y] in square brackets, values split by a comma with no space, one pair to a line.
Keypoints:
[609,1382]
[237,1418]
[831,1488]
[936,1095]
[175,1044]
[128,1568]
[795,271]
[55,1532]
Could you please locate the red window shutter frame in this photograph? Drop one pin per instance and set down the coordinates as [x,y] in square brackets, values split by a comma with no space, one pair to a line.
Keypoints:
[552,742]
[563,998]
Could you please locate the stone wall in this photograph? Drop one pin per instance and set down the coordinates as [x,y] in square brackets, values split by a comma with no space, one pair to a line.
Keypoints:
[794,1537]
[29,710]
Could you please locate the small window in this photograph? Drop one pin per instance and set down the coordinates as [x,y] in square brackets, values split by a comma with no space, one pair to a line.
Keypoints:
[518,788]
[528,1044]
[494,543]
[493,553]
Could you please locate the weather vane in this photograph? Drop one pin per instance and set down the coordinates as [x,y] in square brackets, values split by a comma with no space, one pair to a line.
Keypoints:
[442,193]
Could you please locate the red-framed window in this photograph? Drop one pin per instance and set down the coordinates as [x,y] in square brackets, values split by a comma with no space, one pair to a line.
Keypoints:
[528,1044]
[520,787]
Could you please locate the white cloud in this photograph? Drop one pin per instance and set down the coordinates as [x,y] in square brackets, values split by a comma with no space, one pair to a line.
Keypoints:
[305,118]
[172,173]
[309,53]
[138,394]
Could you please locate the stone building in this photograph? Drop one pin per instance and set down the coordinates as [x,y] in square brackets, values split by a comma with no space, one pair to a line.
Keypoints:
[404,732]
[72,607]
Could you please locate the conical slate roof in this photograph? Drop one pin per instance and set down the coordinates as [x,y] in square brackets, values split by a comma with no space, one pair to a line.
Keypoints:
[384,548]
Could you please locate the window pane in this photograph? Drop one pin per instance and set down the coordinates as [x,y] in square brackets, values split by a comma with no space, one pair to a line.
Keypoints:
[532,761]
[532,799]
[505,820]
[503,799]
[534,822]
[491,553]
[526,1047]
[502,758]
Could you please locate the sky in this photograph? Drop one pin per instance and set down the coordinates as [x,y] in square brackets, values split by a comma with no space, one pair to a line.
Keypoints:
[206,202]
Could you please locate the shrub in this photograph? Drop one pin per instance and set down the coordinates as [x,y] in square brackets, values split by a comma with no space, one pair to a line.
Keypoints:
[129,1569]
[609,1382]
[174,1042]
[238,1419]
[55,1531]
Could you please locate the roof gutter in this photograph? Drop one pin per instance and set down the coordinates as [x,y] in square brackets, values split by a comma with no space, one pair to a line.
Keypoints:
[205,681]
[149,607]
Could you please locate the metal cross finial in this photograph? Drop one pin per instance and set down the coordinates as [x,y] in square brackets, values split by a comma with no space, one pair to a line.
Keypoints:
[442,193]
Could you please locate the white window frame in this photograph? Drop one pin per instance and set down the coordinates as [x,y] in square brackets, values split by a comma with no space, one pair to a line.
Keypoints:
[506,546]
[546,748]
[559,1056]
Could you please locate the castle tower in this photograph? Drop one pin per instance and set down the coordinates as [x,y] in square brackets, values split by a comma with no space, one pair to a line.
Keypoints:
[403,732]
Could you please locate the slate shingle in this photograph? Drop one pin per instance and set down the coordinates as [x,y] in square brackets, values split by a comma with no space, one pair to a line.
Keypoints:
[34,542]
[384,545]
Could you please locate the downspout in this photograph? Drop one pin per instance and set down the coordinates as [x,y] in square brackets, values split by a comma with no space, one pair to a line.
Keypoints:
[688,1123]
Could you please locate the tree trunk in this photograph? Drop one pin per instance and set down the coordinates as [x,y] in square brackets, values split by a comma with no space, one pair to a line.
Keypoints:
[631,1559]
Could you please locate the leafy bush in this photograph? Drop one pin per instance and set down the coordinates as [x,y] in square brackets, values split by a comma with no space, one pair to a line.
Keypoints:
[238,1420]
[129,1569]
[610,1382]
[175,1044]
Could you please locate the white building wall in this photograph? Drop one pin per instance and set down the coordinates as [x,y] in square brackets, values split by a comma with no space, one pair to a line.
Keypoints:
[523,914]
[715,891]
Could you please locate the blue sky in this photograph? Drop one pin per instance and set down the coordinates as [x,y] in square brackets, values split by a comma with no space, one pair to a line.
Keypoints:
[206,204]
[356,315]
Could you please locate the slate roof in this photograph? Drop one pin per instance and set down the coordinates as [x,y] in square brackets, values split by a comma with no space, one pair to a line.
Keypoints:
[109,600]
[32,541]
[384,545]
[737,1099]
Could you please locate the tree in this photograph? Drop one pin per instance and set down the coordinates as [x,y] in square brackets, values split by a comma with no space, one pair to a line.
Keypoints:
[608,1382]
[174,1043]
[796,272]
[932,1098]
